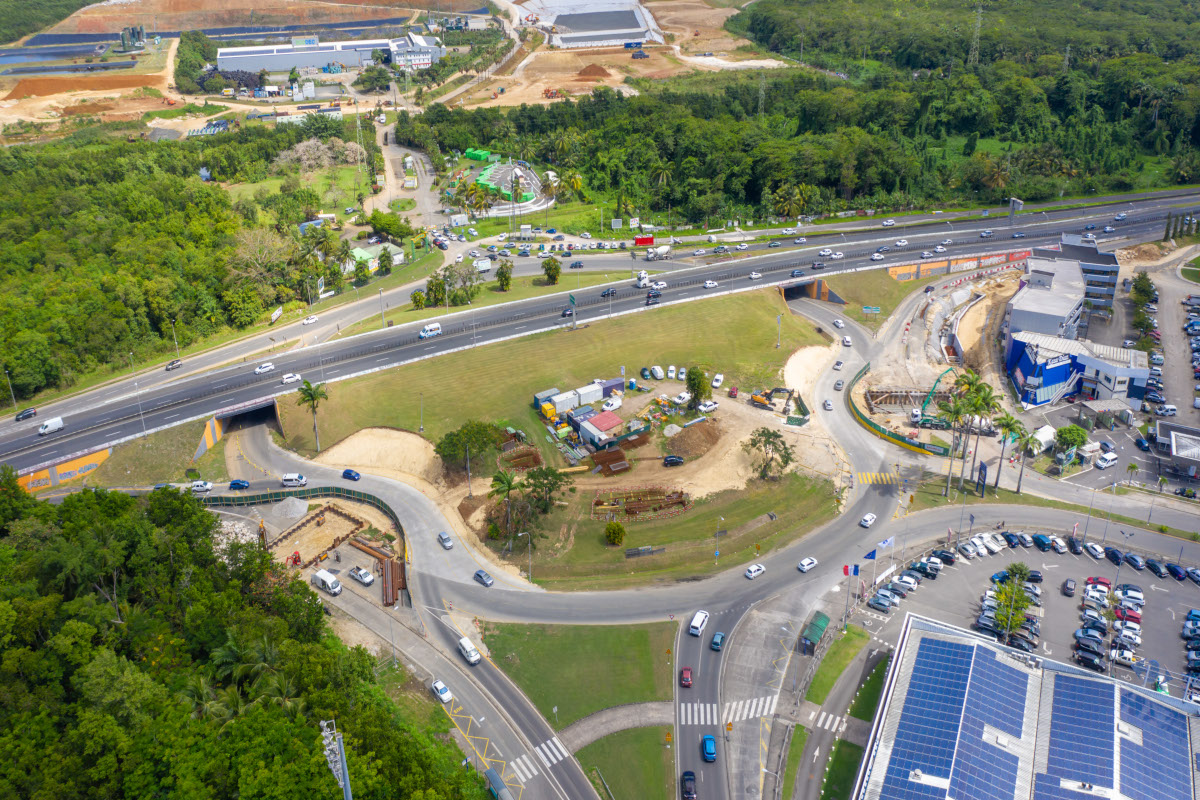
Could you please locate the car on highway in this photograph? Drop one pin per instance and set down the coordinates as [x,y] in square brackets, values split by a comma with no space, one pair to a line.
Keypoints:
[201,487]
[926,254]
[755,276]
[442,692]
[291,377]
[797,273]
[799,240]
[883,249]
[827,405]
[708,747]
[877,256]
[818,265]
[888,223]
[837,323]
[576,265]
[717,380]
[350,475]
[986,234]
[707,407]
[672,461]
[659,285]
[742,246]
[1109,229]
[174,364]
[609,293]
[837,254]
[568,312]
[362,576]
[685,677]
[698,251]
[825,253]
[264,368]
[754,570]
[238,483]
[482,577]
[309,320]
[710,284]
[939,249]
[718,641]
[28,413]
[1018,235]
[774,244]
[867,521]
[806,564]
[902,243]
[947,241]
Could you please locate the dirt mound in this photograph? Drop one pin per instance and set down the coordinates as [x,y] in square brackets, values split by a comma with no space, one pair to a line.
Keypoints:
[1141,252]
[42,87]
[594,71]
[696,440]
[87,108]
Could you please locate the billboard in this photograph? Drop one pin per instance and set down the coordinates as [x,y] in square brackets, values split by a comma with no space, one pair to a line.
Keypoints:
[305,41]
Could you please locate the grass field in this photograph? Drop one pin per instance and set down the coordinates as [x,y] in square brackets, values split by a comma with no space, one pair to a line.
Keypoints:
[867,701]
[795,751]
[800,504]
[874,288]
[836,659]
[1192,271]
[161,457]
[581,669]
[402,204]
[734,335]
[335,200]
[635,763]
[843,769]
[181,111]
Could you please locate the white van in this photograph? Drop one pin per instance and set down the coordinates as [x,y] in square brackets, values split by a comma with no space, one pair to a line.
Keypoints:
[51,426]
[294,479]
[327,582]
[1106,460]
[698,623]
[468,650]
[1162,411]
[657,372]
[430,330]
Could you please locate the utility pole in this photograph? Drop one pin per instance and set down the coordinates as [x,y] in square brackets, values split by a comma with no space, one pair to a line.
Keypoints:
[335,756]
[762,93]
[973,56]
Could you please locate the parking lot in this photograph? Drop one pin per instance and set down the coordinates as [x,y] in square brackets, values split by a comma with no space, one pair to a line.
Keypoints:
[954,597]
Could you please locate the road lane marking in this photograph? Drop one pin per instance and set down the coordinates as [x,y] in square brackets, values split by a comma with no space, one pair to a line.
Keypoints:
[173,416]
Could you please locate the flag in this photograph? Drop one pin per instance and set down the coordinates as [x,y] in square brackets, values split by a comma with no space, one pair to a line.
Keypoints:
[870,556]
[856,569]
[888,542]
[972,516]
[846,569]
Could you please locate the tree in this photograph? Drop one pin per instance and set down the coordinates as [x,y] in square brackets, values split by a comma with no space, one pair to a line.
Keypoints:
[504,275]
[969,148]
[614,533]
[1131,470]
[504,483]
[310,396]
[294,76]
[984,404]
[1011,604]
[374,79]
[1010,428]
[966,383]
[391,225]
[772,452]
[473,436]
[953,410]
[698,386]
[1026,443]
[418,299]
[264,77]
[362,272]
[543,483]
[1070,436]
[553,268]
[1018,572]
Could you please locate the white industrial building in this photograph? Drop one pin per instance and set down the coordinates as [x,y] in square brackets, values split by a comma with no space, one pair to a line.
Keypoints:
[412,51]
[573,24]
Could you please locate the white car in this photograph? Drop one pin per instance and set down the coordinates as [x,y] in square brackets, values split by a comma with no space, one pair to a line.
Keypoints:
[710,284]
[699,252]
[877,256]
[472,231]
[502,237]
[827,405]
[682,399]
[799,240]
[867,521]
[682,374]
[926,254]
[1126,628]
[201,487]
[755,570]
[611,404]
[788,232]
[837,365]
[837,255]
[708,406]
[717,380]
[1094,550]
[902,243]
[1124,657]
[473,253]
[888,223]
[904,580]
[742,246]
[755,276]
[458,259]
[291,377]
[671,372]
[947,241]
[309,320]
[264,367]
[362,576]
[585,235]
[837,323]
[939,249]
[442,692]
[806,564]
[542,254]
[660,285]
[1131,595]
[825,253]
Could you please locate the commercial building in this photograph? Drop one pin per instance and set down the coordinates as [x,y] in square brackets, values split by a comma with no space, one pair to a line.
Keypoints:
[1181,445]
[1045,369]
[965,718]
[600,23]
[412,51]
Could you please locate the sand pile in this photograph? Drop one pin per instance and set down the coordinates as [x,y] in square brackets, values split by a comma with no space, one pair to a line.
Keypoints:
[594,71]
[696,440]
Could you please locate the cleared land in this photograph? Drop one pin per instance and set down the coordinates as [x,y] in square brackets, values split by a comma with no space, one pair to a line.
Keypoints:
[582,669]
[634,763]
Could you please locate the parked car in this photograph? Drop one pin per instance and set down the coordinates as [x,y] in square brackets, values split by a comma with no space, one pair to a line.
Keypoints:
[672,461]
[1094,550]
[362,576]
[946,556]
[879,604]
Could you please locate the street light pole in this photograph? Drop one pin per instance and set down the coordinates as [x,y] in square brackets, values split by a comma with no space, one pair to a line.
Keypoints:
[529,542]
[130,362]
[1110,510]
[175,338]
[382,318]
[1089,516]
[10,389]
[139,402]
[422,428]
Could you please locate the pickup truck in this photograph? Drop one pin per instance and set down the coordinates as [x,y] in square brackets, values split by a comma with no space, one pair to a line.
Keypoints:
[362,576]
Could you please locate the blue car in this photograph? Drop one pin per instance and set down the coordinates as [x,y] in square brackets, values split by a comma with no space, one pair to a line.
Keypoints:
[1114,555]
[1176,571]
[1000,577]
[350,475]
[238,484]
[1011,539]
[718,640]
[708,748]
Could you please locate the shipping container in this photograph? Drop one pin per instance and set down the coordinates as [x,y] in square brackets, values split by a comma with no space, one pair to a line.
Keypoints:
[565,401]
[579,416]
[543,396]
[611,385]
[589,393]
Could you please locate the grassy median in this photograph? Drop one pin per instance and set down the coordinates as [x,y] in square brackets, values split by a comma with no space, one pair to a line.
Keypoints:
[636,763]
[842,770]
[162,457]
[874,287]
[836,659]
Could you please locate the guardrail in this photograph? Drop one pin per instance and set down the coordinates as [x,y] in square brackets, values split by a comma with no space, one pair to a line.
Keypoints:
[305,494]
[883,433]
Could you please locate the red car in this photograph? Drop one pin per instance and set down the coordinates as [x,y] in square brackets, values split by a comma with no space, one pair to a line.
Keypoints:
[1101,581]
[685,677]
[1127,615]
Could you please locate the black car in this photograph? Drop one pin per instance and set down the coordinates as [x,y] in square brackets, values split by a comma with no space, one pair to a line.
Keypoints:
[916,576]
[945,556]
[174,364]
[688,785]
[1075,545]
[653,293]
[1097,625]
[1176,571]
[1035,576]
[609,293]
[1156,567]
[884,249]
[28,413]
[1021,644]
[1090,660]
[1068,587]
[1114,555]
[928,572]
[1010,539]
[672,461]
[568,312]
[576,265]
[652,301]
[899,589]
[797,273]
[985,626]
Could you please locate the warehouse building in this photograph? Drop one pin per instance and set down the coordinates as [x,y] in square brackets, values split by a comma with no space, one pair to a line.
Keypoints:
[412,51]
[1044,369]
[599,23]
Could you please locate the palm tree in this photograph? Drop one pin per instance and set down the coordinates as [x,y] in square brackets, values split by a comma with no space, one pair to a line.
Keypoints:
[1008,425]
[1024,443]
[953,410]
[504,483]
[1131,471]
[344,251]
[662,173]
[965,384]
[227,658]
[198,694]
[310,396]
[787,201]
[984,404]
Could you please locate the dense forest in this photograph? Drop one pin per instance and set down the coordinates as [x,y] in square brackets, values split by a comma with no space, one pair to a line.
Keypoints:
[22,17]
[145,657]
[108,246]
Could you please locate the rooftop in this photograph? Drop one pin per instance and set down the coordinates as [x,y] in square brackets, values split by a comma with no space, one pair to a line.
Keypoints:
[1050,346]
[964,717]
[605,421]
[1061,297]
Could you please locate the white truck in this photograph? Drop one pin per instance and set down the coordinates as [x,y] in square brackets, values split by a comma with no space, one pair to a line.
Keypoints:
[660,253]
[483,264]
[643,280]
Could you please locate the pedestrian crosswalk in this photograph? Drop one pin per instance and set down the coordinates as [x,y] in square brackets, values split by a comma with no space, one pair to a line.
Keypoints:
[551,751]
[698,714]
[749,709]
[831,722]
[523,768]
[879,478]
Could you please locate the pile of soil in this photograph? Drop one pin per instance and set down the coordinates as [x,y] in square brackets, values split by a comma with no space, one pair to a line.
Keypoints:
[594,71]
[695,441]
[1141,252]
[87,108]
[41,87]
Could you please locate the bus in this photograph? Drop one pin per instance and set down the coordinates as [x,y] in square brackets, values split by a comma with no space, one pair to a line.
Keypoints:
[496,785]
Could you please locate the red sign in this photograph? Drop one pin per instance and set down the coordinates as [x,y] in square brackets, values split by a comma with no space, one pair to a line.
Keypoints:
[643,240]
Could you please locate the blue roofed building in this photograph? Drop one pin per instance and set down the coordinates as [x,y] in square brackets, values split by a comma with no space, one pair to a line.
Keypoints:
[964,718]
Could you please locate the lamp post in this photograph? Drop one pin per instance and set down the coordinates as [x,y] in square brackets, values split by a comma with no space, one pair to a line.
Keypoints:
[130,362]
[139,402]
[175,338]
[529,543]
[10,389]
[421,429]
[1089,516]
[382,318]
[1110,510]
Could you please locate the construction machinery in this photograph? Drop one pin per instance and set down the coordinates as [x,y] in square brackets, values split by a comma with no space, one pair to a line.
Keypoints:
[766,398]
[927,420]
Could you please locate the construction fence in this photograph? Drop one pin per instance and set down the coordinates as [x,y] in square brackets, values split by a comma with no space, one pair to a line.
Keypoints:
[882,432]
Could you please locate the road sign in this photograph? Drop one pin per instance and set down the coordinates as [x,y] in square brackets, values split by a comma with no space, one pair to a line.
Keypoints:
[717,554]
[668,737]
[728,726]
[758,548]
[870,309]
[571,298]
[668,651]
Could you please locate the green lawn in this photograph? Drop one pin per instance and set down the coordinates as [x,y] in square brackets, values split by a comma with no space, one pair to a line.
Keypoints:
[402,204]
[795,751]
[335,199]
[836,659]
[734,335]
[581,669]
[867,701]
[1192,271]
[842,771]
[207,109]
[874,288]
[161,457]
[636,764]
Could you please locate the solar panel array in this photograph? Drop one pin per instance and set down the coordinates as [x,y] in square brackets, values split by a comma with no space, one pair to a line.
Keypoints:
[996,697]
[1081,731]
[1158,768]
